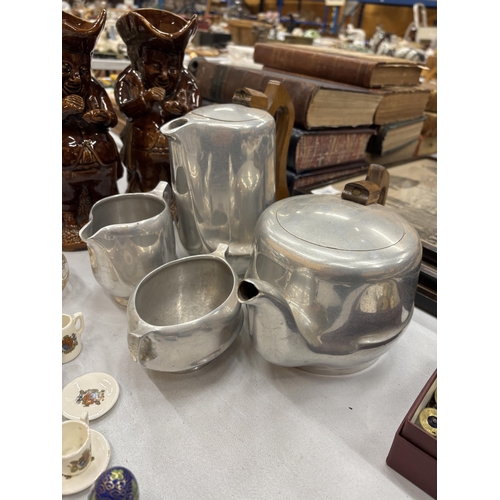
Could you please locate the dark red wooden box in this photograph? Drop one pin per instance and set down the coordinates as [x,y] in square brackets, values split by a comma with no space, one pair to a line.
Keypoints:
[413,453]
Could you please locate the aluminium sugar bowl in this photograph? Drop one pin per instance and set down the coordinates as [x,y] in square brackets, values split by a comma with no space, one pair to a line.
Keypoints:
[331,283]
[185,313]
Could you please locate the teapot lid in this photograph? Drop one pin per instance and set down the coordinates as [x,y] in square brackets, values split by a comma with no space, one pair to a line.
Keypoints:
[331,222]
[231,113]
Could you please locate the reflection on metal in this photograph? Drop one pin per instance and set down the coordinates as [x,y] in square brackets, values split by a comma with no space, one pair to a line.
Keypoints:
[331,283]
[223,177]
[127,236]
[183,329]
[380,297]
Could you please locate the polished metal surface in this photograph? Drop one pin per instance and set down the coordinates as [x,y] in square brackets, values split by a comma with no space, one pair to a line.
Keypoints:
[331,284]
[223,177]
[185,313]
[350,226]
[127,237]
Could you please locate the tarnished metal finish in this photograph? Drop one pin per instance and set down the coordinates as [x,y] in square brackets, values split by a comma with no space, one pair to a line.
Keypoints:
[331,284]
[128,236]
[223,177]
[185,313]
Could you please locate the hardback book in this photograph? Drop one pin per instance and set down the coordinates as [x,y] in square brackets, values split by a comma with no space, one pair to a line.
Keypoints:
[343,66]
[302,182]
[318,103]
[393,136]
[401,103]
[316,149]
[403,154]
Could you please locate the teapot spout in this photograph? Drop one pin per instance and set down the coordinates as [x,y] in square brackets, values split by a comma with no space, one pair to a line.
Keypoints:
[269,311]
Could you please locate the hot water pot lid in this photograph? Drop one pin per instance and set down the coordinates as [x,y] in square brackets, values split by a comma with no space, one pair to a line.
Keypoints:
[331,222]
[231,113]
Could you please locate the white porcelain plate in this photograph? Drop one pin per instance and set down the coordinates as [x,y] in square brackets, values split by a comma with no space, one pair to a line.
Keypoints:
[101,453]
[95,393]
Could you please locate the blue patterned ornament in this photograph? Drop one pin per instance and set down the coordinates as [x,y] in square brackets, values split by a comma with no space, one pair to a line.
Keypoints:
[115,483]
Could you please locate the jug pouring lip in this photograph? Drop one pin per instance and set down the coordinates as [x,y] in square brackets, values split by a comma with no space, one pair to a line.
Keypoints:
[173,127]
[161,193]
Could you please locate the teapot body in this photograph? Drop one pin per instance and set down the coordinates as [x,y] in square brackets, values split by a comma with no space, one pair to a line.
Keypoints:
[223,177]
[348,274]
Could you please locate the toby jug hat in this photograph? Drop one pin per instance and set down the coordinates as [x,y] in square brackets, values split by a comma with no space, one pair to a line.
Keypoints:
[79,35]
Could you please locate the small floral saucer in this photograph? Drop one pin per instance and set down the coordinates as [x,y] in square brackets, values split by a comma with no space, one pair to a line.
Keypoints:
[95,393]
[101,453]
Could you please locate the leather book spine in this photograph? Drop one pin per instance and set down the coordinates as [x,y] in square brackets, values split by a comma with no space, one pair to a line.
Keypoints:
[376,143]
[319,149]
[295,136]
[218,82]
[332,67]
[324,176]
[401,105]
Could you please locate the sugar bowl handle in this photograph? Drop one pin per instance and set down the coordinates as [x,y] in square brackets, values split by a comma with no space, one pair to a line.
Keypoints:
[372,190]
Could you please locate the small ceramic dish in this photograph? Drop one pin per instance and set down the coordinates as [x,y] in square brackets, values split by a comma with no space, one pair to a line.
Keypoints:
[95,393]
[101,453]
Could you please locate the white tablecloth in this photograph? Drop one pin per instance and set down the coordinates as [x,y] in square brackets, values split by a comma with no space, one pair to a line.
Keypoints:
[242,428]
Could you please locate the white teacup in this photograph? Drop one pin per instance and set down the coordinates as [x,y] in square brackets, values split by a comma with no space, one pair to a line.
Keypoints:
[72,328]
[76,446]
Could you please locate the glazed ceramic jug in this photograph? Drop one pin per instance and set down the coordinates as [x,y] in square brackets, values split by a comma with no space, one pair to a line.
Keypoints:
[128,236]
[91,163]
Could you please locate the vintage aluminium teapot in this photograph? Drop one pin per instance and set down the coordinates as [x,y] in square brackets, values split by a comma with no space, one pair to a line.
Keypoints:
[332,279]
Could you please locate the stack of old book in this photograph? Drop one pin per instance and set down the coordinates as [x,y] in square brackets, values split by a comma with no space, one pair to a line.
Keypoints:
[427,144]
[340,99]
[402,141]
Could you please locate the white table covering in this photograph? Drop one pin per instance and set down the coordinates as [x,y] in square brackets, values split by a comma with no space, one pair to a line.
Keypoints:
[242,428]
